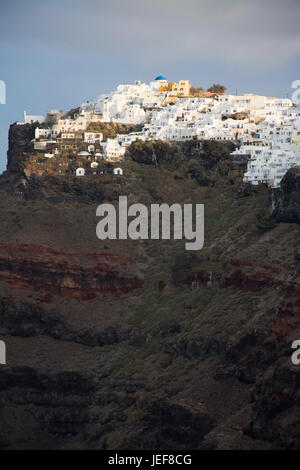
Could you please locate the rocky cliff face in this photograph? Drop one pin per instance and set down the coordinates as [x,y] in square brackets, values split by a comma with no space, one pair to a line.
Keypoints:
[67,274]
[286,200]
[142,345]
[19,141]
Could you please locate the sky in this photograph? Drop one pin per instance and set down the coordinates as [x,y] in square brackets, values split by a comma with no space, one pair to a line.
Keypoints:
[60,53]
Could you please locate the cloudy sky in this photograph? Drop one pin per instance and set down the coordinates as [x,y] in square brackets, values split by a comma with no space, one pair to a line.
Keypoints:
[58,53]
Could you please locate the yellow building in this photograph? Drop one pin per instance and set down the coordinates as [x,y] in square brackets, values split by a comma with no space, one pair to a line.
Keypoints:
[180,89]
[166,88]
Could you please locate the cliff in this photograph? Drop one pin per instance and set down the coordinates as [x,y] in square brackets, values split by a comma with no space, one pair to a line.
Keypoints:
[286,199]
[19,143]
[140,344]
[67,274]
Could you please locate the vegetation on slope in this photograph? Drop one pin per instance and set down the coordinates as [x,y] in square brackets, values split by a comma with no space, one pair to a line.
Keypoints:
[206,348]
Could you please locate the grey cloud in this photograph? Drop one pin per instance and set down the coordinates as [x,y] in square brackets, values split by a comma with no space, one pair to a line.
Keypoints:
[247,33]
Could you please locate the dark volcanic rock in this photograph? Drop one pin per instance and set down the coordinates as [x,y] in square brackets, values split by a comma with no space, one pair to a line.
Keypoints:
[169,425]
[286,199]
[19,141]
[36,321]
[201,346]
[250,357]
[276,409]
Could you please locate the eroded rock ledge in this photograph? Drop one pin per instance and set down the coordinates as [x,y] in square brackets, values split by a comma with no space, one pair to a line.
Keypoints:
[68,274]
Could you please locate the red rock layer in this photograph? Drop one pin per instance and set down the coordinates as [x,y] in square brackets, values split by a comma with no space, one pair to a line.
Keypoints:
[68,274]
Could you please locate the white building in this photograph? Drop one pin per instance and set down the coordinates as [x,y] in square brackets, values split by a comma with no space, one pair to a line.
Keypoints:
[268,129]
[80,172]
[118,171]
[70,125]
[67,135]
[92,137]
[129,103]
[43,144]
[30,119]
[113,151]
[277,153]
[42,133]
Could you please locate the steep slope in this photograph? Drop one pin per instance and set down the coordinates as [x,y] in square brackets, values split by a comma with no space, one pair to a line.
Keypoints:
[141,344]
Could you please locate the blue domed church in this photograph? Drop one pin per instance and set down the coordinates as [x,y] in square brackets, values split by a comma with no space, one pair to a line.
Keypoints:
[158,81]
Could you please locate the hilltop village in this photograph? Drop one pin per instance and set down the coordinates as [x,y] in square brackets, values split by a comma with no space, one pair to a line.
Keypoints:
[266,130]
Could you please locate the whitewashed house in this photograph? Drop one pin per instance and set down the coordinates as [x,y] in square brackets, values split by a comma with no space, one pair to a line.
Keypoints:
[113,151]
[80,172]
[30,119]
[93,137]
[118,171]
[42,133]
